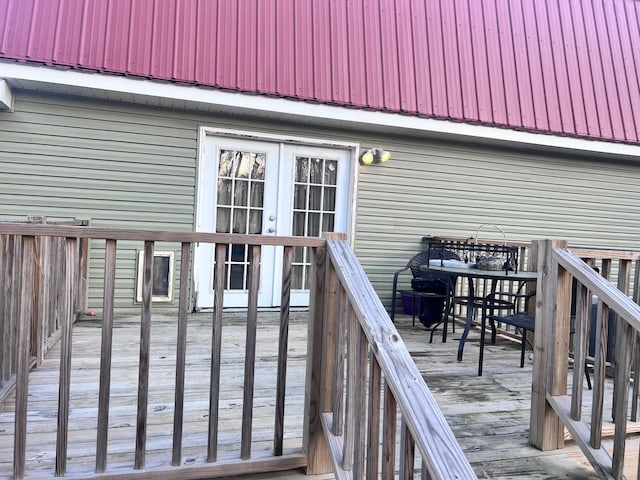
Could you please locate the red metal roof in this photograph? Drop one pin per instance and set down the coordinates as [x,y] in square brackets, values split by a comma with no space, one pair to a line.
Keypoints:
[568,67]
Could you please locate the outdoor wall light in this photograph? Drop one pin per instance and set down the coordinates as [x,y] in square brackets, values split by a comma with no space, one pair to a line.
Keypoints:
[374,155]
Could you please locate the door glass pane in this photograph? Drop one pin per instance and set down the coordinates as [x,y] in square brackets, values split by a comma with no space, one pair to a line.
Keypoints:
[240,203]
[314,205]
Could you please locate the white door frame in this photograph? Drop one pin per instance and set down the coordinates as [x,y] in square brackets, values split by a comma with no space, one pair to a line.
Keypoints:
[200,207]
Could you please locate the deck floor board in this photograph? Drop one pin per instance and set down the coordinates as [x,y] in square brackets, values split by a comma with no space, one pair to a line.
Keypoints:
[489,415]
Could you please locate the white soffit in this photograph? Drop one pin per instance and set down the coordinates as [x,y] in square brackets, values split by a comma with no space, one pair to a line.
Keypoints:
[173,95]
[6,96]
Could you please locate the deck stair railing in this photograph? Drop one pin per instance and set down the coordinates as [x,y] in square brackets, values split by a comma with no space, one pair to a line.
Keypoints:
[368,386]
[341,296]
[554,406]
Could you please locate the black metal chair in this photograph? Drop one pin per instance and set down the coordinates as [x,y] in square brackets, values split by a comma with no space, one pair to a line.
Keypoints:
[517,306]
[431,292]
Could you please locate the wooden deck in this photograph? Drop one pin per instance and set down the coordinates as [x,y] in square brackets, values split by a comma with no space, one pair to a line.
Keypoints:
[489,415]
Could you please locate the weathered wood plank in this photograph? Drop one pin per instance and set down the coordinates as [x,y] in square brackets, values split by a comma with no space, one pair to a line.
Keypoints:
[314,442]
[216,347]
[546,431]
[374,418]
[23,295]
[390,420]
[253,282]
[580,339]
[106,346]
[339,364]
[181,353]
[283,345]
[145,348]
[156,236]
[407,452]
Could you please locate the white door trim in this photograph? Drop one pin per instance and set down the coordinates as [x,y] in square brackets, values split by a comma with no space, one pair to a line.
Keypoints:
[204,132]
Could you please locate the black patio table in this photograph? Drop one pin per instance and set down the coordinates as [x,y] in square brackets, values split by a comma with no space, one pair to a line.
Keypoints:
[471,273]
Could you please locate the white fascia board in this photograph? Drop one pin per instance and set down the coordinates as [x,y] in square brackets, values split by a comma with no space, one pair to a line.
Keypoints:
[186,96]
[6,96]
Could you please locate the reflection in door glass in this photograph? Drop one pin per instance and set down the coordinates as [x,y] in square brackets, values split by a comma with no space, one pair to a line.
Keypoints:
[314,205]
[240,201]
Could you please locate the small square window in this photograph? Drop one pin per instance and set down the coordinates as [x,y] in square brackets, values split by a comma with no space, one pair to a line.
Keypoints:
[162,289]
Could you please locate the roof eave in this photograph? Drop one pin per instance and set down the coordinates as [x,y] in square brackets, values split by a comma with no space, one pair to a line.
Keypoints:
[174,95]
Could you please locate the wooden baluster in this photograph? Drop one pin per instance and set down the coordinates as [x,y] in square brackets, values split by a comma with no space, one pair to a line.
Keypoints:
[581,323]
[23,263]
[360,441]
[407,452]
[283,345]
[373,435]
[105,355]
[70,285]
[143,368]
[181,353]
[389,435]
[636,355]
[337,408]
[352,393]
[250,354]
[216,346]
[624,339]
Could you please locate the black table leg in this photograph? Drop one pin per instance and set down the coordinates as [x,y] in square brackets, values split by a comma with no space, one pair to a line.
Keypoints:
[467,325]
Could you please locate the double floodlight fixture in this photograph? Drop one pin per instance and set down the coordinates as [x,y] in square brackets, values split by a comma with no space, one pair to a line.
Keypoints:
[374,155]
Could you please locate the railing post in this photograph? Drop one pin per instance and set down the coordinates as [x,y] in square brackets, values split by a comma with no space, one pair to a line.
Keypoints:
[551,347]
[320,358]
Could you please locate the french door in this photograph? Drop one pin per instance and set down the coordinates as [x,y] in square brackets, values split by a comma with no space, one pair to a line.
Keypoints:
[267,188]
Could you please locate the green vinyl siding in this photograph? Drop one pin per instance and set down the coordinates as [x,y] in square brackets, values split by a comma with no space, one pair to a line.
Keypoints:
[134,166]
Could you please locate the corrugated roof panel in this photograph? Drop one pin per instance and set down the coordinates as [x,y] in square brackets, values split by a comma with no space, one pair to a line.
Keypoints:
[340,91]
[421,55]
[560,67]
[587,88]
[303,47]
[521,66]
[436,60]
[494,60]
[67,47]
[42,41]
[19,27]
[267,58]
[227,43]
[465,59]
[373,56]
[140,36]
[452,60]
[184,46]
[205,53]
[607,68]
[117,41]
[357,67]
[572,69]
[619,68]
[631,52]
[162,44]
[321,54]
[483,92]
[389,43]
[285,60]
[509,72]
[535,65]
[92,41]
[247,37]
[556,66]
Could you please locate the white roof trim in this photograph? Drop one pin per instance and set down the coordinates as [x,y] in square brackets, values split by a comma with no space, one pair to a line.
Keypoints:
[6,96]
[185,96]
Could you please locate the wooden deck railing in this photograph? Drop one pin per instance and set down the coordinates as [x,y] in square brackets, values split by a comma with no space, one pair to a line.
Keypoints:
[553,407]
[367,386]
[43,260]
[341,297]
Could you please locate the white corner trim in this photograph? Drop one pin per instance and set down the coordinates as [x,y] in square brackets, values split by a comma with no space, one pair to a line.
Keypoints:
[149,91]
[6,96]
